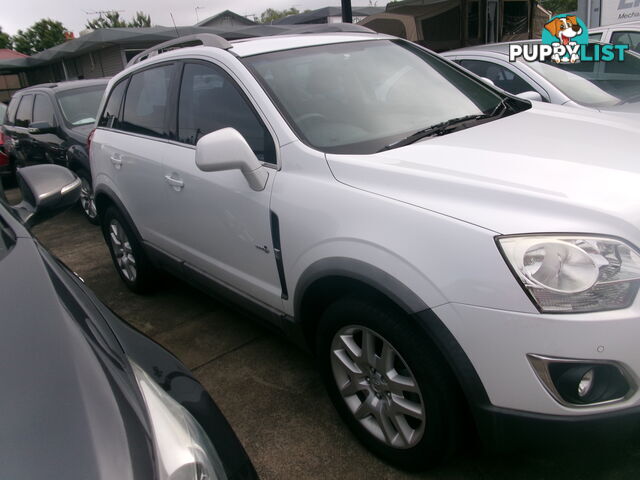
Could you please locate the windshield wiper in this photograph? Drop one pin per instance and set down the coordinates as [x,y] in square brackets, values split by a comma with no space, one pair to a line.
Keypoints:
[448,126]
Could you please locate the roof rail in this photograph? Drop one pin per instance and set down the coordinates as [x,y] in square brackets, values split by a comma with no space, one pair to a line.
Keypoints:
[205,39]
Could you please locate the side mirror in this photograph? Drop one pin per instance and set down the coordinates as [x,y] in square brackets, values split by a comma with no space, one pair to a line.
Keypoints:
[226,149]
[46,191]
[41,127]
[530,95]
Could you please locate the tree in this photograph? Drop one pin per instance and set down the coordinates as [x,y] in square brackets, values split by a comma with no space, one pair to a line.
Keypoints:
[114,20]
[560,6]
[109,20]
[271,14]
[140,20]
[5,40]
[43,34]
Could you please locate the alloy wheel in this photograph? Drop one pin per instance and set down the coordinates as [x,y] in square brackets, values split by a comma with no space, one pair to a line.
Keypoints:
[87,200]
[378,386]
[122,250]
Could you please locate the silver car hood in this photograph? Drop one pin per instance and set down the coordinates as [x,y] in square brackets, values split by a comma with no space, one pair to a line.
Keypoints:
[549,168]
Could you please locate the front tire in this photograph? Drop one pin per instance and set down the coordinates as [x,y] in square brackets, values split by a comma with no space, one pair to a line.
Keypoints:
[127,253]
[389,383]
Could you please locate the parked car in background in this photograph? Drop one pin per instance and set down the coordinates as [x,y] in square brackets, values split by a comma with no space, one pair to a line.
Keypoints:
[606,86]
[84,395]
[619,34]
[5,168]
[442,247]
[50,123]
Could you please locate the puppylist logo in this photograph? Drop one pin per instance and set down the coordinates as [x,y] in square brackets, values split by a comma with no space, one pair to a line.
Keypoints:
[565,39]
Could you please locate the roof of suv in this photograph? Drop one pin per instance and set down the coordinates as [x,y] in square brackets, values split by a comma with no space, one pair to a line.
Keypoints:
[69,85]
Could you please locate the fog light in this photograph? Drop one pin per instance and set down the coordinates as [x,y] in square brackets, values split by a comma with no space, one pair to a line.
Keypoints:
[582,383]
[584,387]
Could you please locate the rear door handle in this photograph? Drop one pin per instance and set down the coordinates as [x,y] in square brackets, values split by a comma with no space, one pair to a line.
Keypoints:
[176,183]
[116,161]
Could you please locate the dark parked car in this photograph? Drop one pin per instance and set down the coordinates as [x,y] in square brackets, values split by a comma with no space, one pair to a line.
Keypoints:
[50,123]
[4,160]
[84,395]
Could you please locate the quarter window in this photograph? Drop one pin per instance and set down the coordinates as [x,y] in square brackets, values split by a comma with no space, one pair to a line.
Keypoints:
[502,77]
[111,115]
[211,100]
[146,101]
[43,110]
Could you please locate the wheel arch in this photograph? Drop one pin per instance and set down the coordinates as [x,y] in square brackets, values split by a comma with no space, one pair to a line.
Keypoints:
[326,281]
[104,198]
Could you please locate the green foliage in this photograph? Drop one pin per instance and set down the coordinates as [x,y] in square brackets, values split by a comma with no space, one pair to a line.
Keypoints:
[5,40]
[140,20]
[271,14]
[43,34]
[560,6]
[114,20]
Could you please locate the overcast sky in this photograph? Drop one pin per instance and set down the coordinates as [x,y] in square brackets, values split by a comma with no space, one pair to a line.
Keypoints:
[24,13]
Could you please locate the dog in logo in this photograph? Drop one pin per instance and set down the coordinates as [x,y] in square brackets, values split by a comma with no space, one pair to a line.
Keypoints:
[565,29]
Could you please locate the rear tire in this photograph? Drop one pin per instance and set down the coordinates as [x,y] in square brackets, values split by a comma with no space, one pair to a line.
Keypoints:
[400,399]
[87,198]
[128,255]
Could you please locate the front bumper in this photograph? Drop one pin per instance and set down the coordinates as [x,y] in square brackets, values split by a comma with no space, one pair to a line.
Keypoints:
[515,401]
[503,430]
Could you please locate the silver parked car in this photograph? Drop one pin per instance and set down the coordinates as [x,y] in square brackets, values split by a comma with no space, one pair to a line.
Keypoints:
[612,86]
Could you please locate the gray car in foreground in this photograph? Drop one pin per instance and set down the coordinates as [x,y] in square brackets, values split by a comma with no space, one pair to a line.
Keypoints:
[607,86]
[84,395]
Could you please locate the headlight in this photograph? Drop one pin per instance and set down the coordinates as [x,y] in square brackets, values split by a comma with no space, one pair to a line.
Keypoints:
[183,449]
[574,273]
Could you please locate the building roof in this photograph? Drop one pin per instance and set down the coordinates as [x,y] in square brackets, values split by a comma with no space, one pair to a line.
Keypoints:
[226,13]
[325,12]
[6,53]
[104,37]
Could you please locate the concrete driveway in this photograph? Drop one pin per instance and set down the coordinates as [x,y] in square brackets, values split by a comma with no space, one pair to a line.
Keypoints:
[270,391]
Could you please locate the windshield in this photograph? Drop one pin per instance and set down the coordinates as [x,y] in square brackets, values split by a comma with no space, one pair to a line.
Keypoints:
[595,84]
[358,97]
[80,106]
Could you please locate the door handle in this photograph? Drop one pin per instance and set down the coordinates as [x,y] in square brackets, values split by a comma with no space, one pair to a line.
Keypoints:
[176,183]
[116,161]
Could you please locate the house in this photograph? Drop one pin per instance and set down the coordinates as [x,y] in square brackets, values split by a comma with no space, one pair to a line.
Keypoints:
[447,24]
[10,82]
[225,20]
[327,15]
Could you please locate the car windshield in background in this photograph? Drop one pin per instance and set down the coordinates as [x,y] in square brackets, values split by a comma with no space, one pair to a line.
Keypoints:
[358,97]
[595,84]
[80,106]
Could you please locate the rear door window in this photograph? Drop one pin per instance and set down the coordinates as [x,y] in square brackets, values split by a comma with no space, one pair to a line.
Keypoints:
[210,100]
[146,101]
[25,110]
[631,38]
[111,115]
[43,109]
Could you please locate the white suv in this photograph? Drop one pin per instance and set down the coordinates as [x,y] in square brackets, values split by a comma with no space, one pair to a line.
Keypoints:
[443,248]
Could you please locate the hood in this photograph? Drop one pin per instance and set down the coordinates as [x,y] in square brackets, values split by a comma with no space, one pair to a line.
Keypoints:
[68,408]
[549,168]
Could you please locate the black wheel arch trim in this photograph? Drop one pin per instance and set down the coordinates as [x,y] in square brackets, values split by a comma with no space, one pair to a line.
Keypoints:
[113,198]
[414,306]
[363,272]
[78,159]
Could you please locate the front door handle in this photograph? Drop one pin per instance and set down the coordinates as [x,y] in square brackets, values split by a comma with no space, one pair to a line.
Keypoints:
[176,183]
[116,161]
